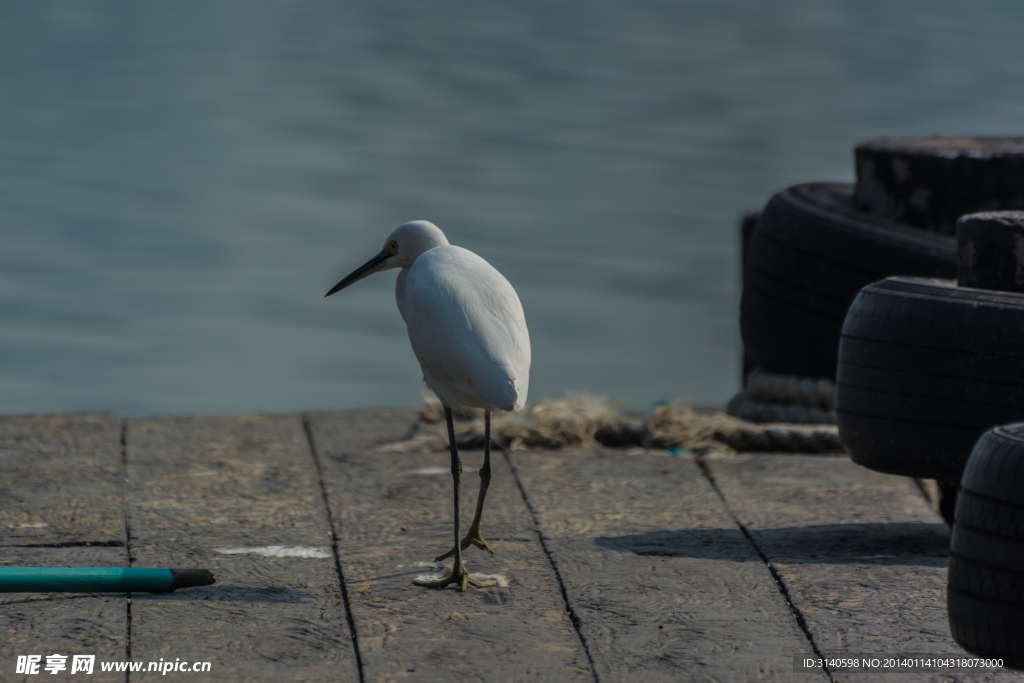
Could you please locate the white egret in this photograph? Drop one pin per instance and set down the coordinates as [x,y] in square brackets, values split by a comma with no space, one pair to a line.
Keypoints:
[468,331]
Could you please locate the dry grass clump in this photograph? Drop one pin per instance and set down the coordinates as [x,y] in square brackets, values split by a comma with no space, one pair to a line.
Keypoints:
[678,426]
[573,421]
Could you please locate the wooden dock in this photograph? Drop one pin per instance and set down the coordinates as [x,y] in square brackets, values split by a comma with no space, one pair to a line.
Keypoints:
[612,566]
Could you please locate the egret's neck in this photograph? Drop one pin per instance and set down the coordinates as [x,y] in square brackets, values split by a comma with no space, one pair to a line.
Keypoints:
[403,274]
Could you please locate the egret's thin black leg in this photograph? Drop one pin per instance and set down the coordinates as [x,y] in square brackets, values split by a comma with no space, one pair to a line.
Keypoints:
[485,474]
[456,477]
[473,535]
[459,574]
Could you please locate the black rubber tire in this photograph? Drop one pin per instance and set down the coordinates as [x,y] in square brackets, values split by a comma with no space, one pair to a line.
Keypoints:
[996,466]
[989,248]
[986,628]
[985,595]
[809,257]
[931,181]
[976,511]
[925,367]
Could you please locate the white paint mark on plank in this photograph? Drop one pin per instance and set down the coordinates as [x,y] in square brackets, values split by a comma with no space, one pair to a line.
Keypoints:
[278,551]
[441,470]
[209,473]
[36,525]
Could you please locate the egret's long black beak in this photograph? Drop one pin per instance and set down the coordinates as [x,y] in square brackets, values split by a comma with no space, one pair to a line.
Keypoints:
[368,268]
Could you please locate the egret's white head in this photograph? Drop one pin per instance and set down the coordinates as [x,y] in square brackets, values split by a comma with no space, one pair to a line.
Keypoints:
[402,247]
[408,241]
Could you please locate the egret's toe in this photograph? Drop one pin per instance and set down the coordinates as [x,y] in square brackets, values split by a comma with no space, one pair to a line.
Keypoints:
[458,576]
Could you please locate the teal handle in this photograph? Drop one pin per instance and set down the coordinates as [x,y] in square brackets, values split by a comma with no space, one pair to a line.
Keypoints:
[84,580]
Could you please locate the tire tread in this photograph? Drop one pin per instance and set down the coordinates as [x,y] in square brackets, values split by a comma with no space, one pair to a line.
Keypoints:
[811,254]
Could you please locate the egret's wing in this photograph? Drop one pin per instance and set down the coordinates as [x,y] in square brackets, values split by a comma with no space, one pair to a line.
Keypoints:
[491,362]
[467,327]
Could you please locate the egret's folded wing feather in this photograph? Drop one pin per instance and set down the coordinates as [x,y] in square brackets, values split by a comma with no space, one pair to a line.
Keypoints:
[467,328]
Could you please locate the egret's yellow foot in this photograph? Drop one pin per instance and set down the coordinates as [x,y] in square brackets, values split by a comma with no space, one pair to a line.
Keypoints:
[473,537]
[458,576]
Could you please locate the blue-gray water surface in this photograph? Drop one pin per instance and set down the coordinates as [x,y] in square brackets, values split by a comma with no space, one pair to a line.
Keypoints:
[180,183]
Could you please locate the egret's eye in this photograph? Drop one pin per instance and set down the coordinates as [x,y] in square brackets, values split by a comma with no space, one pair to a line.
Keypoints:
[393,247]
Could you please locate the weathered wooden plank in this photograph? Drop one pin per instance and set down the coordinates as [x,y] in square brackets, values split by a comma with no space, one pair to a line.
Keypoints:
[862,554]
[61,486]
[196,485]
[665,585]
[393,514]
[60,480]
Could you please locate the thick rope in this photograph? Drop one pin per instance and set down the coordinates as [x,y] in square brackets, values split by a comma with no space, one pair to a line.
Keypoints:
[815,392]
[584,421]
[673,427]
[785,438]
[784,398]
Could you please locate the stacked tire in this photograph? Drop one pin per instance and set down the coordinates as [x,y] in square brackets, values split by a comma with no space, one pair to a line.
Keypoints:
[817,244]
[928,367]
[985,596]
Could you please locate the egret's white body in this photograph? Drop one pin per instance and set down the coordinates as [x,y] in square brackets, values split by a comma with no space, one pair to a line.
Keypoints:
[468,331]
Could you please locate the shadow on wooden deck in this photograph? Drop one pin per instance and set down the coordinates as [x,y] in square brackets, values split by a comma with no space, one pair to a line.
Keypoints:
[913,543]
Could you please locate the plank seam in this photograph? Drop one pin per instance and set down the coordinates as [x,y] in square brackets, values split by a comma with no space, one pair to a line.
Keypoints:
[127,548]
[570,607]
[334,546]
[801,622]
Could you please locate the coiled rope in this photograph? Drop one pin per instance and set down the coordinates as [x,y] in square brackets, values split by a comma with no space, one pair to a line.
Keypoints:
[784,398]
[583,421]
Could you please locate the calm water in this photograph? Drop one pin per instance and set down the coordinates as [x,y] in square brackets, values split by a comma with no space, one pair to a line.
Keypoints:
[181,183]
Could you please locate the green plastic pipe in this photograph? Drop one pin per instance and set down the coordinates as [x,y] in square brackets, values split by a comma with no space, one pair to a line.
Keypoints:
[100,580]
